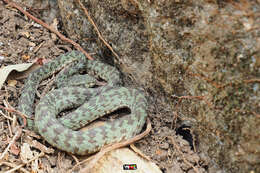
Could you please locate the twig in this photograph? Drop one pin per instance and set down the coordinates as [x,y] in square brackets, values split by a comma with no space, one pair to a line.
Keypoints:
[18,112]
[19,166]
[96,29]
[195,97]
[75,158]
[219,86]
[60,155]
[62,37]
[207,79]
[13,165]
[47,87]
[175,118]
[7,117]
[14,120]
[252,80]
[139,152]
[17,134]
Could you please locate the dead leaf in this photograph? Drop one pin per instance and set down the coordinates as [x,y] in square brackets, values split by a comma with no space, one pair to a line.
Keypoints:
[17,71]
[25,33]
[26,152]
[12,82]
[14,149]
[25,57]
[2,58]
[158,152]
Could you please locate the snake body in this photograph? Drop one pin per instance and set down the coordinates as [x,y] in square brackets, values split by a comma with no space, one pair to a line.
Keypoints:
[92,102]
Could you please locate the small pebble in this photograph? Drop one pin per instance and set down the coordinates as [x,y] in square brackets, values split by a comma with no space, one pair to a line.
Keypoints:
[163,155]
[164,146]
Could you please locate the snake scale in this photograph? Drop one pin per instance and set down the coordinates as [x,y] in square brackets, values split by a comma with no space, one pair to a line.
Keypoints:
[91,102]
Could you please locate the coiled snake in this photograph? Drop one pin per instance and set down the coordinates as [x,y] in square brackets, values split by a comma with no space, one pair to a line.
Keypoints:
[92,102]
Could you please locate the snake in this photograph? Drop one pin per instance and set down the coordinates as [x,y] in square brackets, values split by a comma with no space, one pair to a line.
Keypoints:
[87,97]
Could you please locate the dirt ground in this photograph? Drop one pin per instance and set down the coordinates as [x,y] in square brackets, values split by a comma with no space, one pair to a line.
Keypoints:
[21,41]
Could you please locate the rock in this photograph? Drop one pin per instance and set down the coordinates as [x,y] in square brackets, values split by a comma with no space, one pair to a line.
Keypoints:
[188,48]
[164,145]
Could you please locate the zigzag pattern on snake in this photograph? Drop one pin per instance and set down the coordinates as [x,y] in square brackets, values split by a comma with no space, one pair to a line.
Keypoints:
[92,102]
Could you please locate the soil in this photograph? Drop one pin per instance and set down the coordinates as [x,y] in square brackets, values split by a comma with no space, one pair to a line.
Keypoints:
[22,41]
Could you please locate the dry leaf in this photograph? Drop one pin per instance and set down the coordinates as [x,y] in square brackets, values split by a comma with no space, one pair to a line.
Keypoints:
[12,82]
[26,152]
[15,69]
[2,57]
[6,157]
[25,57]
[158,152]
[14,149]
[25,33]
